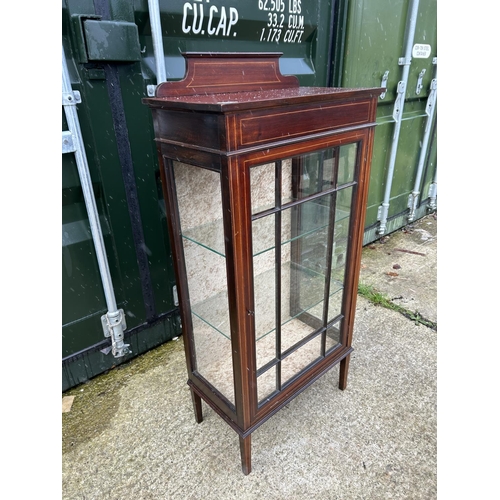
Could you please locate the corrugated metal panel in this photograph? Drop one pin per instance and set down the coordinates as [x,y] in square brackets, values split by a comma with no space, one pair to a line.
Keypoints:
[374,44]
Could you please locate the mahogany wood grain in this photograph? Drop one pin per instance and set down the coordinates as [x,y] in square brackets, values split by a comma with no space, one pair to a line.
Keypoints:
[246,454]
[230,113]
[216,72]
[198,412]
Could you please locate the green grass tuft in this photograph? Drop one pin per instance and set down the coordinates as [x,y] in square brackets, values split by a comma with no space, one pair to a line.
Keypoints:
[379,299]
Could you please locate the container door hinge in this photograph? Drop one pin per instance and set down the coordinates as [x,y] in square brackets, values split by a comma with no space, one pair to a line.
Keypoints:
[382,214]
[419,82]
[68,141]
[68,144]
[383,84]
[398,103]
[412,203]
[432,197]
[431,100]
[113,325]
[71,98]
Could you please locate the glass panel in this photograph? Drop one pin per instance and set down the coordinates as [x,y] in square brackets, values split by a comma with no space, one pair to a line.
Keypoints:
[263,231]
[339,255]
[262,185]
[203,242]
[266,349]
[266,384]
[294,330]
[201,216]
[286,181]
[335,299]
[213,357]
[264,293]
[294,323]
[347,163]
[310,247]
[333,337]
[313,173]
[301,359]
[265,301]
[206,273]
[309,221]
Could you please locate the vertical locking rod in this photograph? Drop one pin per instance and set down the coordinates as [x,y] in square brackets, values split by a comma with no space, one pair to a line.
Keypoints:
[405,61]
[429,110]
[114,320]
[157,35]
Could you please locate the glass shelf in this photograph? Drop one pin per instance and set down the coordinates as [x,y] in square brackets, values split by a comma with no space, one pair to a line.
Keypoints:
[314,215]
[214,311]
[209,236]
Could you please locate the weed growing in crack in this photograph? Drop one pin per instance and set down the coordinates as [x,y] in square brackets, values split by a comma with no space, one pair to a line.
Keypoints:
[379,299]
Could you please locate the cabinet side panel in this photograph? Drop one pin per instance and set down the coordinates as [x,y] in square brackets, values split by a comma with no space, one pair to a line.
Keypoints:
[199,203]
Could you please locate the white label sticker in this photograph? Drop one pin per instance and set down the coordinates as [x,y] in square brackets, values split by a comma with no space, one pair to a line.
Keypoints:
[421,51]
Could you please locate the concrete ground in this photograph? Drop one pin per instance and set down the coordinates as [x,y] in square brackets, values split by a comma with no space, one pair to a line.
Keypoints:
[131,433]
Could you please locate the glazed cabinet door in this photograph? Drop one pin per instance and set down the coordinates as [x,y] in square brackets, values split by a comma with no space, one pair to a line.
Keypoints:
[301,215]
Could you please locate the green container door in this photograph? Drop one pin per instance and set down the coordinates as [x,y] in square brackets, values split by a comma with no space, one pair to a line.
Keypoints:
[111,61]
[373,45]
[122,159]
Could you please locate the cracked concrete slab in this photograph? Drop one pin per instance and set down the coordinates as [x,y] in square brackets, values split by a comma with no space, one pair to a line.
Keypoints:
[403,266]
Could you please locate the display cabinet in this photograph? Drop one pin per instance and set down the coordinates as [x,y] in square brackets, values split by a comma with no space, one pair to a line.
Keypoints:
[265,186]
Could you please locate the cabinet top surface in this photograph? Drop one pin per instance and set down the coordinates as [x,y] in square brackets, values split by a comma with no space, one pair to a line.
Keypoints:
[234,101]
[225,82]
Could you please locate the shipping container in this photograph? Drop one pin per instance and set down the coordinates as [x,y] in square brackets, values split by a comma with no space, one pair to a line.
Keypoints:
[119,296]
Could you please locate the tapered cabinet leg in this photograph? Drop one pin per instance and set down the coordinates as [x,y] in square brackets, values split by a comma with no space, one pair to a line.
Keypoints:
[344,368]
[246,454]
[198,414]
